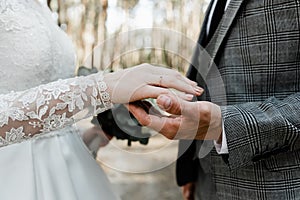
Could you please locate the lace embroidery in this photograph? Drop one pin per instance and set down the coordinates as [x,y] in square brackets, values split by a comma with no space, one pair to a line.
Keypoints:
[9,11]
[12,135]
[32,44]
[50,107]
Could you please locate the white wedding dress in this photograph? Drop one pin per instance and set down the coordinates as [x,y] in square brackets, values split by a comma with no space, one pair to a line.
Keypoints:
[41,154]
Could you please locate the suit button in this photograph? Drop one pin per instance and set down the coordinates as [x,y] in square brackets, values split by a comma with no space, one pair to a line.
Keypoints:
[256,158]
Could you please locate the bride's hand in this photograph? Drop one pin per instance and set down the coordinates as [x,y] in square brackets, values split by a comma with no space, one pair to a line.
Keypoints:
[147,81]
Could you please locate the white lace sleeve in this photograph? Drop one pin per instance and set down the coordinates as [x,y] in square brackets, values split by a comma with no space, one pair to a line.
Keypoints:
[50,107]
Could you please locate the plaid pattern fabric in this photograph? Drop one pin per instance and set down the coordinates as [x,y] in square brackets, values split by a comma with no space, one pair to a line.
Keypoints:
[257,49]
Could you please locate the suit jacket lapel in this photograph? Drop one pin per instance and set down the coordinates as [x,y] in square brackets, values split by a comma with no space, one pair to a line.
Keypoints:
[191,73]
[223,28]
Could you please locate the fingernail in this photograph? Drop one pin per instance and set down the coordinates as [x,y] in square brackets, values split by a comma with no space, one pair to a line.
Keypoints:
[199,89]
[189,96]
[164,101]
[195,83]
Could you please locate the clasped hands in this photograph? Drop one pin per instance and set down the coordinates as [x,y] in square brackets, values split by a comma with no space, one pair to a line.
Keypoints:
[186,120]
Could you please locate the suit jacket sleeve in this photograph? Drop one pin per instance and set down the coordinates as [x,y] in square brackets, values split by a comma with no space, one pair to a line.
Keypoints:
[261,130]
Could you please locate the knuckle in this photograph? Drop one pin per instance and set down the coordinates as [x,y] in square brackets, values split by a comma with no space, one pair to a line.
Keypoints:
[172,131]
[205,111]
[170,136]
[144,121]
[175,107]
[169,131]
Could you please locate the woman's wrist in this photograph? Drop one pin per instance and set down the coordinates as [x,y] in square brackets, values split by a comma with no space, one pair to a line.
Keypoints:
[104,95]
[109,80]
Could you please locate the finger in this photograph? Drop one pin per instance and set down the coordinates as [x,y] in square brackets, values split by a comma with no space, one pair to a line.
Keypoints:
[148,107]
[188,195]
[187,97]
[173,79]
[180,83]
[155,92]
[177,106]
[139,113]
[149,91]
[188,191]
[193,83]
[178,75]
[146,119]
[166,71]
[157,74]
[164,125]
[170,104]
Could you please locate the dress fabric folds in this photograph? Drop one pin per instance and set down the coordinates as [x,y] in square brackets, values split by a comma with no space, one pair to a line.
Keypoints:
[52,167]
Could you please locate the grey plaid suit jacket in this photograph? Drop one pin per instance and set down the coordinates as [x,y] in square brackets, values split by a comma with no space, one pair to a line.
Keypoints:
[257,51]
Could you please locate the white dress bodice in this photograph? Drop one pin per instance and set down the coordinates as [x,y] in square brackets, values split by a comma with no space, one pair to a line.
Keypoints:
[33,49]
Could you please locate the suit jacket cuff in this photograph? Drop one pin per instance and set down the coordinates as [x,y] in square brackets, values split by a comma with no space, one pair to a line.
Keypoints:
[259,131]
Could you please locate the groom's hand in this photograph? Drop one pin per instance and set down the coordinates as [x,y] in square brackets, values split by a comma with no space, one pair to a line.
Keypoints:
[188,191]
[190,120]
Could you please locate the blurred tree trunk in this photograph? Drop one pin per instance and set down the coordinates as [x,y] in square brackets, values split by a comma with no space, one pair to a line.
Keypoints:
[101,32]
[87,24]
[102,15]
